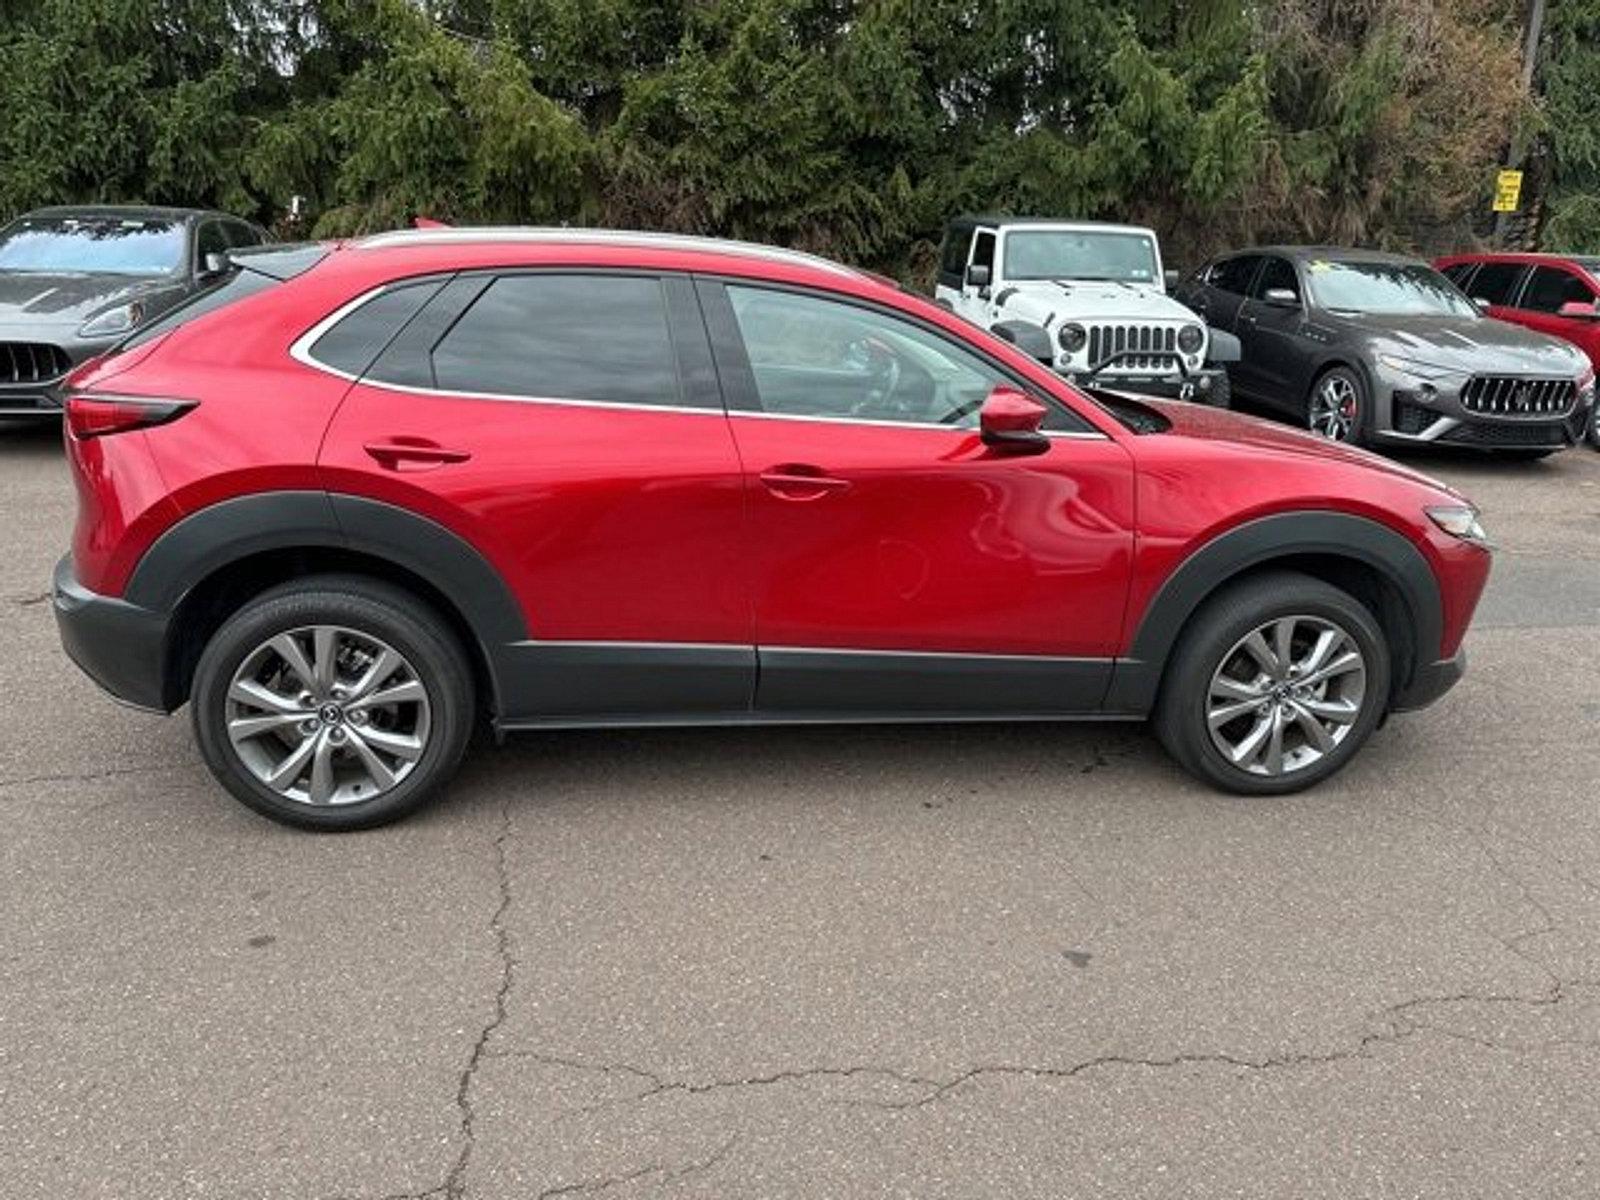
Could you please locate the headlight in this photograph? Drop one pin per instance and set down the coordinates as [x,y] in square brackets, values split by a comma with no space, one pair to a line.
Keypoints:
[116,320]
[1418,370]
[1190,338]
[1460,522]
[1586,379]
[1073,338]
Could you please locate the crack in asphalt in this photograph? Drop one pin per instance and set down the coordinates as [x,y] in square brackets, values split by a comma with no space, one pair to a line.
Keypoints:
[86,776]
[668,1174]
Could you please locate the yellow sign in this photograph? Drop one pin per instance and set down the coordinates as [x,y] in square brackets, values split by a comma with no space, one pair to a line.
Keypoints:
[1508,191]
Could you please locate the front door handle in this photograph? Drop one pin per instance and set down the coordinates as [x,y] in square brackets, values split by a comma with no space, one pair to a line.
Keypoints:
[414,454]
[801,481]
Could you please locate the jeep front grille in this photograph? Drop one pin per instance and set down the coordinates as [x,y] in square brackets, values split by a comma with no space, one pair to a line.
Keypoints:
[1152,346]
[32,362]
[1517,396]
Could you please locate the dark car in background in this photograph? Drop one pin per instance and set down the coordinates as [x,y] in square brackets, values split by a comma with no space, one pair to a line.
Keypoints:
[1377,349]
[1557,294]
[75,281]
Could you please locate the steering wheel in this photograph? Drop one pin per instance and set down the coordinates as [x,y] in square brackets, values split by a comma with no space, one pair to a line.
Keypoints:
[877,359]
[966,410]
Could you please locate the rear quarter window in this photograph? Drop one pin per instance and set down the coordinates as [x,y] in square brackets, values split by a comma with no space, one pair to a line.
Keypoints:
[353,343]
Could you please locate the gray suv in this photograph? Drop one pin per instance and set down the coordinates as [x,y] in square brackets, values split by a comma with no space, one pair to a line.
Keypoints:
[75,281]
[1376,349]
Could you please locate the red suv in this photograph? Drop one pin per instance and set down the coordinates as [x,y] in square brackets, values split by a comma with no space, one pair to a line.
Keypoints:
[1554,294]
[362,495]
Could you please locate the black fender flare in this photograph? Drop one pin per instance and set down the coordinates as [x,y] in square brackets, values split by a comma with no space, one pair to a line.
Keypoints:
[224,533]
[1138,675]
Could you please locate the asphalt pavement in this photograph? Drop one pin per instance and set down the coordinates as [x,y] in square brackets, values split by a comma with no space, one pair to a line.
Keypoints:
[938,962]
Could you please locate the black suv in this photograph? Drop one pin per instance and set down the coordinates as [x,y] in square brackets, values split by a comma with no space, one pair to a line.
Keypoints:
[76,281]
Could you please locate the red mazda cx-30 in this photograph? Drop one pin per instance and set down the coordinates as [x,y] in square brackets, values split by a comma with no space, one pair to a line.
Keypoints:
[360,496]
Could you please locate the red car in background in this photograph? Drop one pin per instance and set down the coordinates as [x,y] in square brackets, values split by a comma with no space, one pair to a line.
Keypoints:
[361,496]
[1552,293]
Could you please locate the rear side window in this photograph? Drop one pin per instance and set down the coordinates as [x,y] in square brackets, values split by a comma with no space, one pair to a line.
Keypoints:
[353,343]
[1234,274]
[564,337]
[1550,287]
[1495,282]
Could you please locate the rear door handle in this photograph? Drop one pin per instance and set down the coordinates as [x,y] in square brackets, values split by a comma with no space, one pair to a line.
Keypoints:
[415,454]
[801,481]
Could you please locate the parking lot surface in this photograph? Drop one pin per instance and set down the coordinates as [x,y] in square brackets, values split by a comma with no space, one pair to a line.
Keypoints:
[930,962]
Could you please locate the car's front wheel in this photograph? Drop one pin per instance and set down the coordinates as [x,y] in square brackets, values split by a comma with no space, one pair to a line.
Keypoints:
[1274,686]
[1337,408]
[333,703]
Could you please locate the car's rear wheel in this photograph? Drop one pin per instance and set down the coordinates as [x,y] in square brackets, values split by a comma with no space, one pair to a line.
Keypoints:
[333,703]
[1338,409]
[1275,685]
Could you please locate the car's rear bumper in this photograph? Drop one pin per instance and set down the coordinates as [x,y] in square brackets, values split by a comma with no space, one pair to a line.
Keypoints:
[1431,681]
[119,645]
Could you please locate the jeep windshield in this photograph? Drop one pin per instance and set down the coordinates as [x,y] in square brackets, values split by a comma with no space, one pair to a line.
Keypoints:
[1385,289]
[93,246]
[1115,256]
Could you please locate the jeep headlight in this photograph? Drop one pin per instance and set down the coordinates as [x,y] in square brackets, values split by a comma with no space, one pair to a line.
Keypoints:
[1190,338]
[1073,337]
[113,321]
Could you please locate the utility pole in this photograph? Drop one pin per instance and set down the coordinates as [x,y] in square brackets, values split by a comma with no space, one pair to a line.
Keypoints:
[1533,30]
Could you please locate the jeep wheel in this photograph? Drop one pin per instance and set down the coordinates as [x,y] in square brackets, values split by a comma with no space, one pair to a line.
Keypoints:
[334,703]
[1275,685]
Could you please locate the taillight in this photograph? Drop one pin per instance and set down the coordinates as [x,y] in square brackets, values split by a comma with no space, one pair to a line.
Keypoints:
[91,414]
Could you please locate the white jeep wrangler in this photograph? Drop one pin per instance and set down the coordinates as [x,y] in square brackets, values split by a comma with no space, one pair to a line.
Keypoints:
[1096,293]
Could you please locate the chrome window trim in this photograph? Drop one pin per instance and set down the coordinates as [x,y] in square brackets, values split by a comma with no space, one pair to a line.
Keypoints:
[300,351]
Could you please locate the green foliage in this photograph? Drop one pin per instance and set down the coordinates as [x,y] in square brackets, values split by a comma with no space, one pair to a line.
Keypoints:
[1572,110]
[852,127]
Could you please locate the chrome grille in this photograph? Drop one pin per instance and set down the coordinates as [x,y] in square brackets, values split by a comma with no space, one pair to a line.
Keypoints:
[1153,347]
[1518,396]
[32,362]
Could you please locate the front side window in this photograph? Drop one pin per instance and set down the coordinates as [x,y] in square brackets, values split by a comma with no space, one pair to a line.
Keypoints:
[1080,254]
[1395,289]
[213,239]
[1277,275]
[1551,287]
[953,261]
[93,245]
[827,359]
[564,337]
[983,251]
[1495,282]
[1233,275]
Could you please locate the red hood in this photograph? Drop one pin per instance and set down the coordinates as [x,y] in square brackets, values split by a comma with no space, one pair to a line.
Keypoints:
[1222,425]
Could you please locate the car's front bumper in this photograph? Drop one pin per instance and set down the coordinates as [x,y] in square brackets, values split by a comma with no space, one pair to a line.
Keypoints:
[1408,415]
[120,646]
[1429,682]
[1198,386]
[42,398]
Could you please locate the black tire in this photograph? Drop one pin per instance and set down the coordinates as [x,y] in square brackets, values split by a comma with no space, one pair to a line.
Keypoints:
[366,607]
[1212,636]
[1594,425]
[1221,394]
[1360,426]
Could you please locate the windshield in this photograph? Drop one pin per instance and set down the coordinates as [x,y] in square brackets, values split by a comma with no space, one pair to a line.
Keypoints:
[92,245]
[1079,254]
[1389,289]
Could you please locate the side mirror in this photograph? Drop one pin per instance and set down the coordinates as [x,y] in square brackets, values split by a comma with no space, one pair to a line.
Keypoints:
[1170,278]
[978,276]
[1578,310]
[1481,304]
[1033,340]
[1282,298]
[1225,347]
[216,263]
[1010,422]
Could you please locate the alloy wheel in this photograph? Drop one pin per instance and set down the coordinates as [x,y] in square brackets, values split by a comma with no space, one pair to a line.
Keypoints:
[1335,409]
[325,715]
[1286,695]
